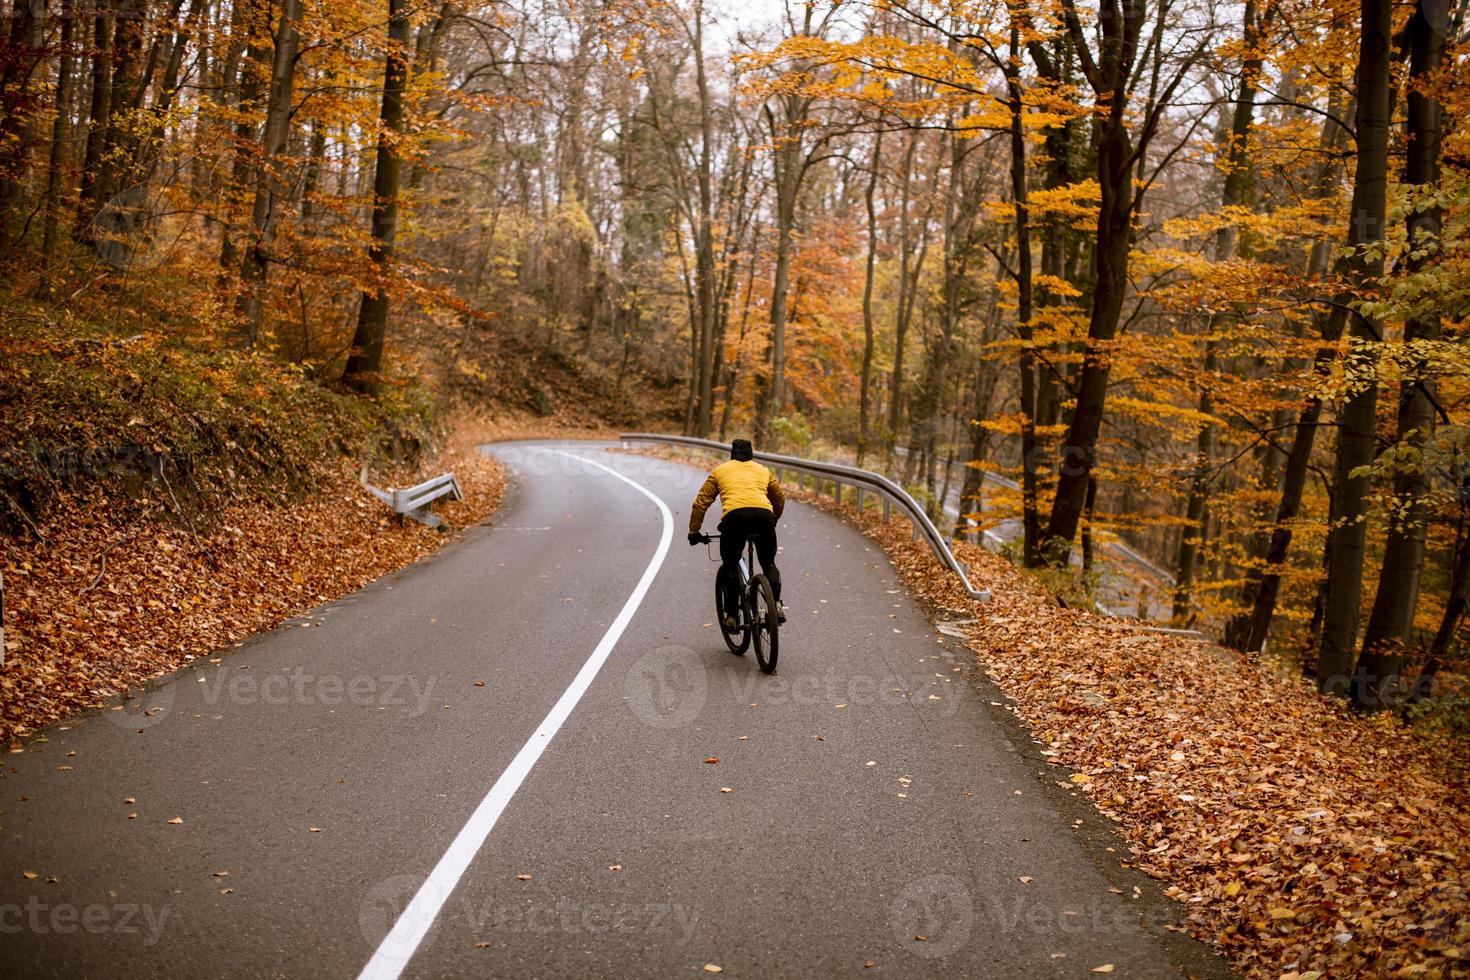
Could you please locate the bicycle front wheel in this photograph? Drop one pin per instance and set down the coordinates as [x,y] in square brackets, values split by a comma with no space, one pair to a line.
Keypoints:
[765,627]
[739,638]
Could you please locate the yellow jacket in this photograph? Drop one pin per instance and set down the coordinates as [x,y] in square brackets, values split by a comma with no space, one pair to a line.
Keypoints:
[738,483]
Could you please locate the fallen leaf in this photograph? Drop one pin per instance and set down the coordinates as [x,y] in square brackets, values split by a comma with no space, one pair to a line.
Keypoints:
[177,820]
[712,968]
[712,760]
[1105,968]
[30,875]
[315,830]
[523,877]
[726,789]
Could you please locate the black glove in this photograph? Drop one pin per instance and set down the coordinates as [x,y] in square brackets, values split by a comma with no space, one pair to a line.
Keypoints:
[695,537]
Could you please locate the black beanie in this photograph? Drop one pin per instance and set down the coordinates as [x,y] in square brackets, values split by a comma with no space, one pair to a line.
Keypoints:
[741,449]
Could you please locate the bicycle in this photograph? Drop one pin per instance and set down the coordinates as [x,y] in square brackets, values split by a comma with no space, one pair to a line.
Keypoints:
[758,622]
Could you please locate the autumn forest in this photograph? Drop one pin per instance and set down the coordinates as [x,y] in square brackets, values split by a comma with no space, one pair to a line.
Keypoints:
[1185,275]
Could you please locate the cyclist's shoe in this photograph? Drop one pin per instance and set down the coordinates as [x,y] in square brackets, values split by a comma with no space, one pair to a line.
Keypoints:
[780,611]
[731,623]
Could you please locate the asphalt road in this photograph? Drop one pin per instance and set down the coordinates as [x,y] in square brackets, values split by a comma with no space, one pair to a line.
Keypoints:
[494,764]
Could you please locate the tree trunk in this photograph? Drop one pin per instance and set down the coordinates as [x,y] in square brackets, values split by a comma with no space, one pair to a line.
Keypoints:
[1236,193]
[925,417]
[1356,421]
[1392,620]
[1110,264]
[246,84]
[1030,519]
[1088,502]
[60,137]
[21,51]
[986,376]
[127,94]
[1192,534]
[365,363]
[1454,610]
[254,270]
[92,189]
[704,258]
[865,385]
[315,159]
[788,166]
[1109,78]
[901,317]
[1248,629]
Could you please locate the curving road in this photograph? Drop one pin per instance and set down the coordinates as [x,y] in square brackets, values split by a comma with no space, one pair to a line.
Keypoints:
[494,764]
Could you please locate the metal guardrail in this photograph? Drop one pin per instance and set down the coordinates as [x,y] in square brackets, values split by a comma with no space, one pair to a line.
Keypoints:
[414,501]
[863,481]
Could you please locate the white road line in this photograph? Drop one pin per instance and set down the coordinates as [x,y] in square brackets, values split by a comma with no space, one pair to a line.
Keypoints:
[398,947]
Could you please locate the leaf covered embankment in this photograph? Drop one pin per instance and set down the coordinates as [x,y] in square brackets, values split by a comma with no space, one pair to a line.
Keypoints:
[1299,836]
[162,503]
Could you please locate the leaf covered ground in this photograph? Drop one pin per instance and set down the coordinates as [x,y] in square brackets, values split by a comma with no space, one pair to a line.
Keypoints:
[1304,841]
[79,632]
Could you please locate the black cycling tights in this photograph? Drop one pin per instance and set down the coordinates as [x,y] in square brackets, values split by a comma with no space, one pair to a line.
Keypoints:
[756,524]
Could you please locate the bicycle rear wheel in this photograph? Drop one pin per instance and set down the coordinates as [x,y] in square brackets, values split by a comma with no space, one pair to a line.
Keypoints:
[765,627]
[738,639]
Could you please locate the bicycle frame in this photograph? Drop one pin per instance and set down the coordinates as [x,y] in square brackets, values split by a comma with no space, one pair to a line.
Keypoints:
[747,565]
[747,562]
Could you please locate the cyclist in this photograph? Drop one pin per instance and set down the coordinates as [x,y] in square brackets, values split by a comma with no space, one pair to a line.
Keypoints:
[752,501]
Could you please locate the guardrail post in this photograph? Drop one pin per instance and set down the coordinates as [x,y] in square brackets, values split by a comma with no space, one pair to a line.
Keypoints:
[887,510]
[837,491]
[859,499]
